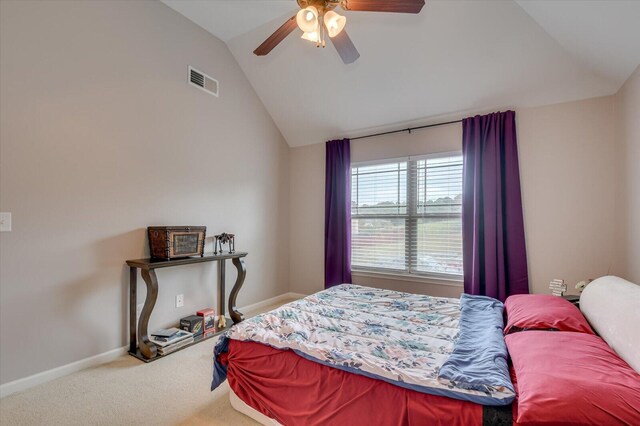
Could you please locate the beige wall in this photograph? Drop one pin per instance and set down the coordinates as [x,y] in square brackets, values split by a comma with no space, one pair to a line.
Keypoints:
[628,178]
[567,173]
[567,166]
[102,136]
[306,244]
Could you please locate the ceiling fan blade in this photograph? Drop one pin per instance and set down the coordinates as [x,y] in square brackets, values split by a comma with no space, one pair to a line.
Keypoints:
[345,47]
[400,6]
[275,38]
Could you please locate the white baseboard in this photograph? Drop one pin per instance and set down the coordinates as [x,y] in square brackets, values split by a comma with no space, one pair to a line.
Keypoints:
[293,295]
[55,373]
[265,303]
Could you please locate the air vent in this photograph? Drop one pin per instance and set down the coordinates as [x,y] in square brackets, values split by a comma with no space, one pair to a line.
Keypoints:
[203,81]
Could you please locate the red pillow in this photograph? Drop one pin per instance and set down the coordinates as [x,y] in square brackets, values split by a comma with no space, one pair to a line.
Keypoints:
[543,312]
[571,378]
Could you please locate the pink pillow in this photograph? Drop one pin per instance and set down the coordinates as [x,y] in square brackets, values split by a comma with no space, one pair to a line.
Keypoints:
[571,378]
[543,312]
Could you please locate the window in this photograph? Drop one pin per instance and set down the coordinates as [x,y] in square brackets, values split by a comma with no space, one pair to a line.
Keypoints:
[406,216]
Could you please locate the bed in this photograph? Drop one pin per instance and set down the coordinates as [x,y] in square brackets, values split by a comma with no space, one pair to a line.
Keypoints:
[358,355]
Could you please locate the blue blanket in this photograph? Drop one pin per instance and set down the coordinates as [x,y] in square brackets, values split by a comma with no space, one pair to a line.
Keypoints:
[220,369]
[479,358]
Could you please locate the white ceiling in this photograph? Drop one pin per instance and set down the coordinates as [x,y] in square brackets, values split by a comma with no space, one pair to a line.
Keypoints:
[227,19]
[454,57]
[602,35]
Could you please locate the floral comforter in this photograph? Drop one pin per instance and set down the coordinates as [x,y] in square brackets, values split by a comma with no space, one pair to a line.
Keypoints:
[401,338]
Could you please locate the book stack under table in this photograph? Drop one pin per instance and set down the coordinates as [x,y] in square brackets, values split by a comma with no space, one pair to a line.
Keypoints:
[171,340]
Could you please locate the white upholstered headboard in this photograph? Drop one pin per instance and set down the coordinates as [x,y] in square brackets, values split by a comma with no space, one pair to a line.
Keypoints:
[612,306]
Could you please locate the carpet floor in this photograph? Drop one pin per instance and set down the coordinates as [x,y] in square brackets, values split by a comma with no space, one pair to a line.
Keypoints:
[171,391]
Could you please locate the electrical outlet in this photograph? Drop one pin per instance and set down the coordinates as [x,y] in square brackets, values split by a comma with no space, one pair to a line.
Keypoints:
[139,309]
[179,300]
[5,222]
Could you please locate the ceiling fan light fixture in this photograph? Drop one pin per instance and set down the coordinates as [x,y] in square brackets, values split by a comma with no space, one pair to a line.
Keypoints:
[335,23]
[307,19]
[318,19]
[313,36]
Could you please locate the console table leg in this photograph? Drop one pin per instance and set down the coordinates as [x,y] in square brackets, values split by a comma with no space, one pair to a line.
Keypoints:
[133,306]
[147,348]
[221,289]
[242,273]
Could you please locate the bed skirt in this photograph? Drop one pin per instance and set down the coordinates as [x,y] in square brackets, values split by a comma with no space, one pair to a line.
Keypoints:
[288,389]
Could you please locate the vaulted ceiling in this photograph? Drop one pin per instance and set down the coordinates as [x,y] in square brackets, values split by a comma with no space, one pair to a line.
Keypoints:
[454,57]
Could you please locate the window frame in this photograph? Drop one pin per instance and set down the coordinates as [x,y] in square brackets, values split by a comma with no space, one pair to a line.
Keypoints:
[410,217]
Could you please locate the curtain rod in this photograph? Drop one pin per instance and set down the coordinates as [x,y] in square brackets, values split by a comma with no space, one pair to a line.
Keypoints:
[408,129]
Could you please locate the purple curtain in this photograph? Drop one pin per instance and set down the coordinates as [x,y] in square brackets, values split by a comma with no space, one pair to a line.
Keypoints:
[337,214]
[494,254]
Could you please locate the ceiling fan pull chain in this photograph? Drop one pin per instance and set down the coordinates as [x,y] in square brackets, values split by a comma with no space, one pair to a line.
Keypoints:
[320,28]
[319,31]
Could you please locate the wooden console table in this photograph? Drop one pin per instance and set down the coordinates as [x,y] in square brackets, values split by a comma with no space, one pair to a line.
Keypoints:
[139,344]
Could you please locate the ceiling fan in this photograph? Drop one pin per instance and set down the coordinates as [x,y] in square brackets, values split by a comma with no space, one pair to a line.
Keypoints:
[316,18]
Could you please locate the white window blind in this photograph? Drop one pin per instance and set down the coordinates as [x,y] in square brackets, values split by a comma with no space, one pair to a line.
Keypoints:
[406,216]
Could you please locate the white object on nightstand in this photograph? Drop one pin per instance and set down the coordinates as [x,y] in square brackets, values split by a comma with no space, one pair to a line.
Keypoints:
[582,284]
[5,222]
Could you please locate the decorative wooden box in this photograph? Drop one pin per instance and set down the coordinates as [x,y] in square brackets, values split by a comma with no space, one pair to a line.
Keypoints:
[171,242]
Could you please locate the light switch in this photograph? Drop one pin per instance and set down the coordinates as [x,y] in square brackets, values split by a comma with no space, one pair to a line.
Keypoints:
[5,222]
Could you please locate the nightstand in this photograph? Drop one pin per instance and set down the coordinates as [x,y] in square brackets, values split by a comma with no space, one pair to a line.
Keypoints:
[572,298]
